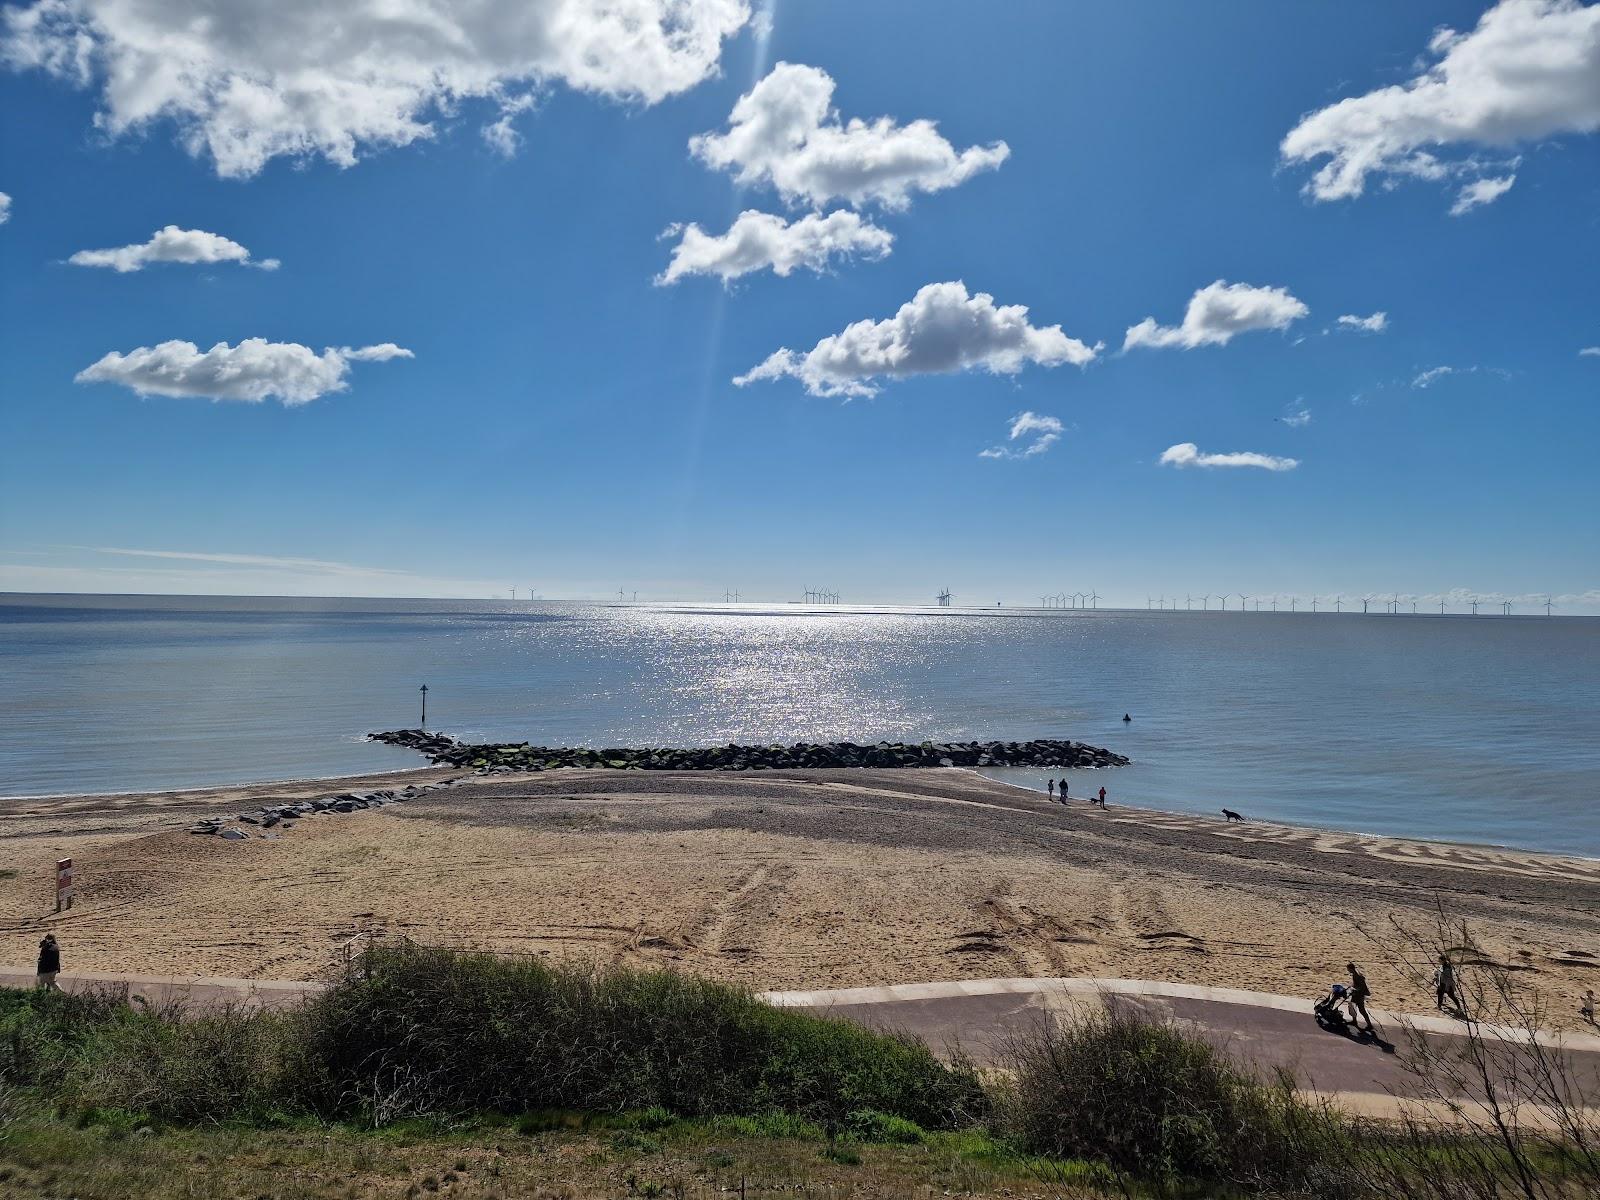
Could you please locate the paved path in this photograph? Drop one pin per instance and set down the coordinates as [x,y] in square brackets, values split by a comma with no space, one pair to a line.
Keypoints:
[1264,1030]
[159,990]
[978,1016]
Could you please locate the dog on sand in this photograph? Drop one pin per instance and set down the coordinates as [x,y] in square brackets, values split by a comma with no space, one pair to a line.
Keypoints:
[1230,815]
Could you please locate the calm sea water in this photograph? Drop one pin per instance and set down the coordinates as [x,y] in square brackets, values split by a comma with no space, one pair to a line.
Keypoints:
[1482,730]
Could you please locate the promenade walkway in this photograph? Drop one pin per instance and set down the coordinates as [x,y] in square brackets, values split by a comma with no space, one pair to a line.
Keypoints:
[978,1016]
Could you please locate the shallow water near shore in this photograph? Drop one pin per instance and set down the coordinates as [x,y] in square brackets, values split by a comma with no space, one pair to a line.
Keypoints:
[1478,730]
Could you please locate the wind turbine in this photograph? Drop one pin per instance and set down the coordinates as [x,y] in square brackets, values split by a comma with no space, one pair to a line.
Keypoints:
[1094,600]
[1147,603]
[1293,600]
[1243,597]
[1364,600]
[621,596]
[1274,604]
[1397,604]
[1338,605]
[1505,608]
[1474,606]
[1548,605]
[1313,604]
[1223,600]
[1413,608]
[1441,607]
[1080,599]
[1205,602]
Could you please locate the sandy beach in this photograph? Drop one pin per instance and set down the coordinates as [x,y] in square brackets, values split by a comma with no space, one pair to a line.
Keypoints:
[782,880]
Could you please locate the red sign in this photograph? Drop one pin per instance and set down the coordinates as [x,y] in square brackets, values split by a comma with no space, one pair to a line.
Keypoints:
[63,883]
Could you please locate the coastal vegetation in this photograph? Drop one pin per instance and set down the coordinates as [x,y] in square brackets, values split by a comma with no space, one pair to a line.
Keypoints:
[435,1071]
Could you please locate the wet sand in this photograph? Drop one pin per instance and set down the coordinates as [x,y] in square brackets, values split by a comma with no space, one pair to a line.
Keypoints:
[782,880]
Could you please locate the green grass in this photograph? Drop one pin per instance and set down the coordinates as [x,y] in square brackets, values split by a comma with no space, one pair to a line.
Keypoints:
[440,1071]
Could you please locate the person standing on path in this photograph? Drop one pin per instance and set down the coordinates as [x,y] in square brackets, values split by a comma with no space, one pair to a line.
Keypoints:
[1102,796]
[49,963]
[1444,986]
[1063,789]
[1051,787]
[1359,991]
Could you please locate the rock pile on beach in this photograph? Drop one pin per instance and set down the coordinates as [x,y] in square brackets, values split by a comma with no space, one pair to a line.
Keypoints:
[285,816]
[496,758]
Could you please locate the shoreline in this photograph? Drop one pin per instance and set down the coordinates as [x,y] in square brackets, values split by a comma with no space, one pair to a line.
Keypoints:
[333,783]
[1297,827]
[782,880]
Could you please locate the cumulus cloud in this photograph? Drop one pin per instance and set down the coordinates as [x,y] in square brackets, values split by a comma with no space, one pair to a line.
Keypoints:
[785,133]
[1216,313]
[5,208]
[173,245]
[759,241]
[1297,418]
[1589,352]
[1036,431]
[253,371]
[245,82]
[940,330]
[1480,192]
[1530,70]
[1376,323]
[1187,454]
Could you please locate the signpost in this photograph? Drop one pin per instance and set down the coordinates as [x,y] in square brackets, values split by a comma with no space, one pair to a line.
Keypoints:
[63,883]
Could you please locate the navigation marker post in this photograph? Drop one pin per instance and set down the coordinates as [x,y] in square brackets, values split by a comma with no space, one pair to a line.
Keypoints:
[63,883]
[424,690]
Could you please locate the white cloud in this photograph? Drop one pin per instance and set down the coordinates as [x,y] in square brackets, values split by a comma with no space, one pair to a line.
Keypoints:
[1433,374]
[1376,323]
[1187,454]
[172,245]
[1480,192]
[1044,432]
[758,241]
[246,82]
[940,330]
[253,371]
[784,132]
[1589,352]
[1530,70]
[1297,419]
[5,208]
[1216,313]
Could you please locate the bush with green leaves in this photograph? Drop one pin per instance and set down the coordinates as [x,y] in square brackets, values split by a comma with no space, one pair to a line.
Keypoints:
[1116,1087]
[431,1031]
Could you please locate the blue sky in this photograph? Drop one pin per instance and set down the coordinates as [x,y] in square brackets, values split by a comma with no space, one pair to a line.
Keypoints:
[566,422]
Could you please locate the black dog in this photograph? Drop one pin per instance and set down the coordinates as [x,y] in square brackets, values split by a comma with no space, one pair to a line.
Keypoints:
[1230,815]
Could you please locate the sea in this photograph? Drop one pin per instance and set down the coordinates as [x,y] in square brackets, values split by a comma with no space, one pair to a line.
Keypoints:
[1454,728]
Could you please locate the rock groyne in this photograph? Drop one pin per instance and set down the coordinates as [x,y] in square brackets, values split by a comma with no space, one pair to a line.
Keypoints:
[520,756]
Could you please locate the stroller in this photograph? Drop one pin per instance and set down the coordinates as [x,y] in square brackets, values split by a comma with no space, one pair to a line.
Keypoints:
[1329,1010]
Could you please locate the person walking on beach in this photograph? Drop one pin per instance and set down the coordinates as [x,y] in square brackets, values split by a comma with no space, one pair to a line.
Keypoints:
[1051,788]
[1063,789]
[49,963]
[1359,991]
[1444,986]
[1102,796]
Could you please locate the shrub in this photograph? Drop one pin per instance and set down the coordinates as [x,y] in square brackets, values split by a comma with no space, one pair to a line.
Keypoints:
[1146,1100]
[420,1031]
